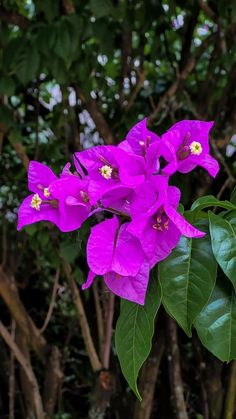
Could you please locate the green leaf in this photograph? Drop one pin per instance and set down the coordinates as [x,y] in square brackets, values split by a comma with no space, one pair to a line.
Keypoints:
[6,115]
[216,324]
[7,86]
[101,8]
[49,8]
[233,196]
[211,201]
[64,42]
[28,63]
[223,239]
[134,332]
[187,278]
[69,251]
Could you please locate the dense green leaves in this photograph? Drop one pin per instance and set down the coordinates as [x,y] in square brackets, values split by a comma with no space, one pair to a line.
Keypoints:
[211,201]
[187,279]
[101,8]
[134,332]
[216,324]
[223,238]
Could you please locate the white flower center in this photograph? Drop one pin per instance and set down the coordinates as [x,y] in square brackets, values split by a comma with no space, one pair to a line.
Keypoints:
[46,192]
[195,148]
[106,171]
[36,201]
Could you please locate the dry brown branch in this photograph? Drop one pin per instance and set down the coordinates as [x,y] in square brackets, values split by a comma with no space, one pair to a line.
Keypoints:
[230,400]
[24,382]
[135,92]
[148,378]
[9,293]
[214,387]
[20,151]
[99,317]
[92,107]
[52,302]
[126,53]
[12,374]
[176,383]
[108,337]
[27,368]
[85,329]
[207,10]
[190,65]
[68,7]
[52,382]
[222,160]
[201,375]
[14,19]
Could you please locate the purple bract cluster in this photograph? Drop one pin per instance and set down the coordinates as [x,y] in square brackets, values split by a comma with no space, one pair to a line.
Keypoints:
[130,181]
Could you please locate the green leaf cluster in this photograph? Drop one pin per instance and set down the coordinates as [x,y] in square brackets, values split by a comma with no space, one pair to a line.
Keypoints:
[196,285]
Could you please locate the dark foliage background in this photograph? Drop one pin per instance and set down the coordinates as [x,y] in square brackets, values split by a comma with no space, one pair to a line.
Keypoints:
[75,74]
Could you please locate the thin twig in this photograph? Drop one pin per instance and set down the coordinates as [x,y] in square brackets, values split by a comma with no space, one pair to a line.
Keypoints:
[135,92]
[176,383]
[27,368]
[85,329]
[230,400]
[99,316]
[37,108]
[108,337]
[99,120]
[12,374]
[207,10]
[9,294]
[221,158]
[20,151]
[223,187]
[190,65]
[148,378]
[52,302]
[200,375]
[4,241]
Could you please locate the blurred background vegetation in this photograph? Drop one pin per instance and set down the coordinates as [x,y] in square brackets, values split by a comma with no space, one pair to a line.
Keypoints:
[74,74]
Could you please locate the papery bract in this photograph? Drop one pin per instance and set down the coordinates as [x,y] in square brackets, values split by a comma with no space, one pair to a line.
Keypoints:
[111,247]
[157,224]
[63,202]
[190,140]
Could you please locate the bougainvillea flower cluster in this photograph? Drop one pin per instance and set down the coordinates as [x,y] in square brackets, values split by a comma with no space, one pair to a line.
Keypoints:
[129,183]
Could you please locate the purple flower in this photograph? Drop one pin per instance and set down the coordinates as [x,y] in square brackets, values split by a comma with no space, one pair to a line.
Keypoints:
[74,205]
[143,142]
[64,202]
[191,143]
[139,139]
[111,247]
[108,168]
[156,222]
[132,288]
[131,180]
[33,208]
[112,251]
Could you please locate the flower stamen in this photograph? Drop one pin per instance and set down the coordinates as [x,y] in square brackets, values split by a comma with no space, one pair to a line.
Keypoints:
[84,196]
[195,148]
[106,171]
[36,201]
[46,192]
